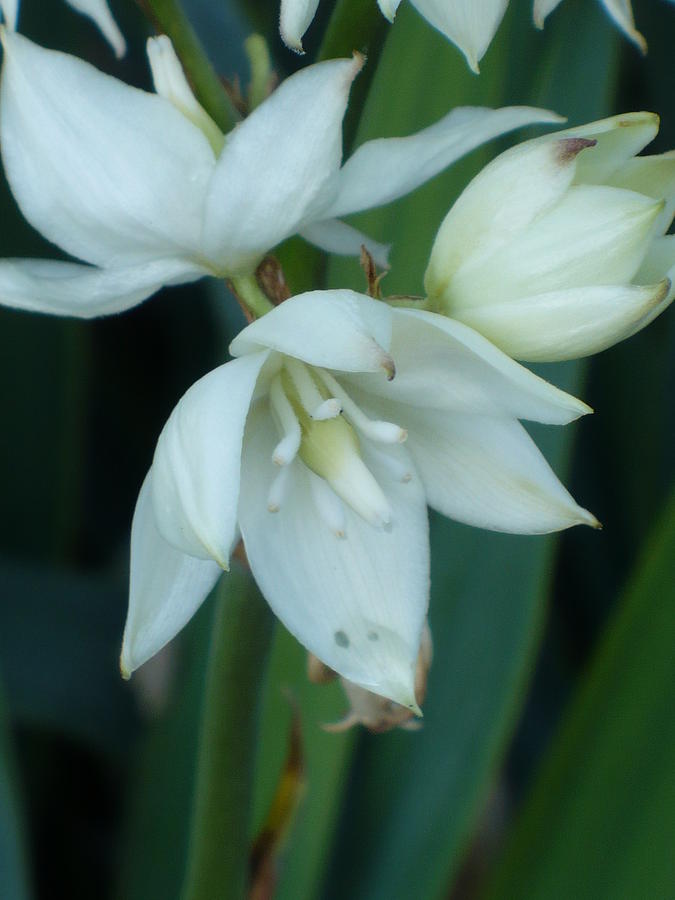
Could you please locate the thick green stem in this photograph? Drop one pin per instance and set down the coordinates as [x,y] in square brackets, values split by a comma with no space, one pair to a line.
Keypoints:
[169,18]
[219,840]
[250,295]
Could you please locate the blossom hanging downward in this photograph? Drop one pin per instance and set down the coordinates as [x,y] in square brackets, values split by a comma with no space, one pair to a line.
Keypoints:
[148,192]
[557,249]
[470,24]
[322,444]
[97,10]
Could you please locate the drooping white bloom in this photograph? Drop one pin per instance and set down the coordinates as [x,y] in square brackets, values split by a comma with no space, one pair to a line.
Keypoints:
[147,191]
[470,24]
[557,249]
[308,447]
[97,10]
[619,10]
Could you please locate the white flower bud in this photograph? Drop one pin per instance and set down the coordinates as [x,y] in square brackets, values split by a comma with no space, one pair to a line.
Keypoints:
[555,250]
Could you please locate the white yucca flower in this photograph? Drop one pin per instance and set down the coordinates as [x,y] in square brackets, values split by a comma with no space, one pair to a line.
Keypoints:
[146,191]
[97,10]
[321,445]
[558,248]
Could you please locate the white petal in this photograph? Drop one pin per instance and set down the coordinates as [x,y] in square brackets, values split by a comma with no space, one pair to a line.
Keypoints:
[98,11]
[470,24]
[10,12]
[542,8]
[659,261]
[595,235]
[70,289]
[488,472]
[358,602]
[166,587]
[444,365]
[653,176]
[276,163]
[335,236]
[334,329]
[566,324]
[110,173]
[618,139]
[503,199]
[195,486]
[294,20]
[384,169]
[171,83]
[389,8]
[621,12]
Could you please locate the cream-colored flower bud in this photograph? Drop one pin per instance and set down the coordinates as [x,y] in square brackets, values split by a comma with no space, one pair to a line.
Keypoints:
[378,714]
[556,249]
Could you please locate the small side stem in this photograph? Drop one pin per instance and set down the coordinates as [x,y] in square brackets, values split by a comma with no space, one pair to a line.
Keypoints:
[250,295]
[219,841]
[169,18]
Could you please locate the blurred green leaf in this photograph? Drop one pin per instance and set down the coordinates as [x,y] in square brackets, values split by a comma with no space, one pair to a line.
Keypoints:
[327,757]
[601,817]
[60,636]
[13,870]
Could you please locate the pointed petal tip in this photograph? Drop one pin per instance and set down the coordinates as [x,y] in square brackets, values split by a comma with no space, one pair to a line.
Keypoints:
[388,366]
[126,671]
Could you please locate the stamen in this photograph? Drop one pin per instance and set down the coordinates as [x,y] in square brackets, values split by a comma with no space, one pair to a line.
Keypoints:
[287,448]
[328,505]
[329,409]
[382,432]
[278,490]
[393,466]
[308,393]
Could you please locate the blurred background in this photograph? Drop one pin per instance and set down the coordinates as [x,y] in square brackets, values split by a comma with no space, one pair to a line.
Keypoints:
[546,764]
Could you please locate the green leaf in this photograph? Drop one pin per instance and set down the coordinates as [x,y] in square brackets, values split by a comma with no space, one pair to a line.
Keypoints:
[601,817]
[14,873]
[60,636]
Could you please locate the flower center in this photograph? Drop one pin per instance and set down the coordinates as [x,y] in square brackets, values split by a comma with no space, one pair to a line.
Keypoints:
[320,423]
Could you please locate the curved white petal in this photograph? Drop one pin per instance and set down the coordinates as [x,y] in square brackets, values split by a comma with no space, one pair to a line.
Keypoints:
[622,13]
[653,176]
[10,12]
[108,172]
[166,587]
[335,236]
[542,8]
[618,139]
[659,261]
[99,12]
[487,471]
[503,199]
[595,235]
[387,168]
[294,20]
[567,324]
[334,329]
[443,365]
[195,484]
[357,602]
[389,8]
[276,163]
[470,24]
[70,289]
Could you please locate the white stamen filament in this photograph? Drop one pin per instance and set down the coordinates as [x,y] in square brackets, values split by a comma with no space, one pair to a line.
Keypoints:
[382,432]
[287,448]
[308,392]
[278,490]
[393,466]
[328,505]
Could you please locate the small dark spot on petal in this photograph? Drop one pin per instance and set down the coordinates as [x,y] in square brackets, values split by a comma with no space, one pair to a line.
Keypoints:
[341,639]
[373,636]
